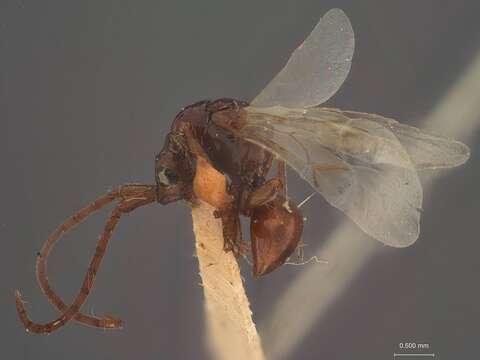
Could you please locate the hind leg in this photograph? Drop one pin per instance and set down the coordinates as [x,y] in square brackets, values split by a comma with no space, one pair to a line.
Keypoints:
[268,192]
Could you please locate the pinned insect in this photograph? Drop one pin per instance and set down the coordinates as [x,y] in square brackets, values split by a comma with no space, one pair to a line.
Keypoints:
[363,164]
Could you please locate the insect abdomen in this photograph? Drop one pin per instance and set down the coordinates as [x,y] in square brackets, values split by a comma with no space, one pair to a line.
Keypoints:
[275,230]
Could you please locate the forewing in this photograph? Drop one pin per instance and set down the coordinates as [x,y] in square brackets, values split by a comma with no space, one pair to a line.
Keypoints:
[426,150]
[364,172]
[316,69]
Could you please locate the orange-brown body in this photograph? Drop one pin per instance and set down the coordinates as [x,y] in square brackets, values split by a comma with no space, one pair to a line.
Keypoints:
[203,142]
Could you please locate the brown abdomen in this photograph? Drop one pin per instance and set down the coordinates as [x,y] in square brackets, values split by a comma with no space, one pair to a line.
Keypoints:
[275,231]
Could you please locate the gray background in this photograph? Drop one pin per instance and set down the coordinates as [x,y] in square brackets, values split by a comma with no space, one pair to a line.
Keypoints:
[87,93]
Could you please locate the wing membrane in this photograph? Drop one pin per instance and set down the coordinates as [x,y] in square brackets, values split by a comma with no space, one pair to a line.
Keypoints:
[426,150]
[363,164]
[316,69]
[358,166]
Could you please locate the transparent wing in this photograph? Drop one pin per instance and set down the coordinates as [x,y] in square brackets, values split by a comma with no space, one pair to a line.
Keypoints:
[357,165]
[426,150]
[316,69]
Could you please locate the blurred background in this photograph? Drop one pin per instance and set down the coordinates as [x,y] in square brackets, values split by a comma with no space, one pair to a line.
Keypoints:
[87,94]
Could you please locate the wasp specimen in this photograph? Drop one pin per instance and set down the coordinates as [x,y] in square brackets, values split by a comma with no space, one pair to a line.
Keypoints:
[366,165]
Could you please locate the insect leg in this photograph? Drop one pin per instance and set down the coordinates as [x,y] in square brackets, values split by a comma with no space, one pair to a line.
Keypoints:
[232,233]
[269,191]
[229,214]
[264,194]
[282,175]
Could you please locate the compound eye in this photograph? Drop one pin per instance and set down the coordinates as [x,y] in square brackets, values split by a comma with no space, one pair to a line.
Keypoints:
[167,177]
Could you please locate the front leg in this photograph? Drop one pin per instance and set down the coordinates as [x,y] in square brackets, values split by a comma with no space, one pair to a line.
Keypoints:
[230,215]
[232,232]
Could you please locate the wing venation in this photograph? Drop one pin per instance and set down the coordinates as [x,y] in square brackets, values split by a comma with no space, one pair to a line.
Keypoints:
[358,165]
